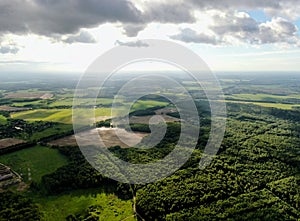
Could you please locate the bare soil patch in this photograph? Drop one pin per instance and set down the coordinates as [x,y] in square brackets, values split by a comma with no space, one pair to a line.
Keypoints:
[13,109]
[7,142]
[110,137]
[29,95]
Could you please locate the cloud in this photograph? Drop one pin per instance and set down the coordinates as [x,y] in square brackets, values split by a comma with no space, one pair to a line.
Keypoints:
[233,4]
[132,43]
[168,13]
[234,23]
[82,37]
[132,30]
[9,49]
[188,35]
[278,30]
[63,17]
[240,27]
[58,19]
[245,29]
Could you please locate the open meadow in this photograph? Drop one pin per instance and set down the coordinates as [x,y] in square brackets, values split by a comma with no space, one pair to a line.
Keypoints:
[107,205]
[37,161]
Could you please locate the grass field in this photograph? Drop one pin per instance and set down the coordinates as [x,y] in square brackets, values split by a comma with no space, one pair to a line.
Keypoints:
[262,97]
[33,103]
[265,100]
[24,94]
[56,129]
[277,105]
[41,161]
[81,101]
[3,120]
[65,115]
[55,115]
[144,104]
[110,207]
[265,104]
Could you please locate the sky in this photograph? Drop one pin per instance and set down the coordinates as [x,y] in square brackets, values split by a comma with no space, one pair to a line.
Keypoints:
[229,35]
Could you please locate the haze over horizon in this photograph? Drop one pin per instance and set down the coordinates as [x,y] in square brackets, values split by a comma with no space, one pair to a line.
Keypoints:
[66,36]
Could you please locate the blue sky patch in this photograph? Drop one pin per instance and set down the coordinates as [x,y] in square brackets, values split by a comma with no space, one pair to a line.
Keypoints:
[258,15]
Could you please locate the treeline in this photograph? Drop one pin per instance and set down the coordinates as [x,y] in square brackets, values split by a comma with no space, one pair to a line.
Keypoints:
[16,147]
[10,101]
[146,112]
[19,128]
[15,207]
[78,173]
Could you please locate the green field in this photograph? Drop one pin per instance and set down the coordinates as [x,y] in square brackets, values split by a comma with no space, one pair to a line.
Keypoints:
[265,104]
[33,103]
[58,207]
[55,115]
[263,97]
[144,104]
[65,115]
[81,101]
[287,102]
[3,120]
[55,130]
[41,161]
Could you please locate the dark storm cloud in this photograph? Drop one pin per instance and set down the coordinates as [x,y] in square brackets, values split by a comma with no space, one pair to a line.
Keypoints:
[47,17]
[169,13]
[50,17]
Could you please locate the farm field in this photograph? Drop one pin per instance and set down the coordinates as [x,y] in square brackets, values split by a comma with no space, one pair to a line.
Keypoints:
[108,136]
[3,120]
[144,104]
[29,95]
[9,108]
[55,115]
[263,97]
[65,115]
[265,104]
[110,207]
[29,103]
[41,160]
[55,130]
[69,101]
[7,142]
